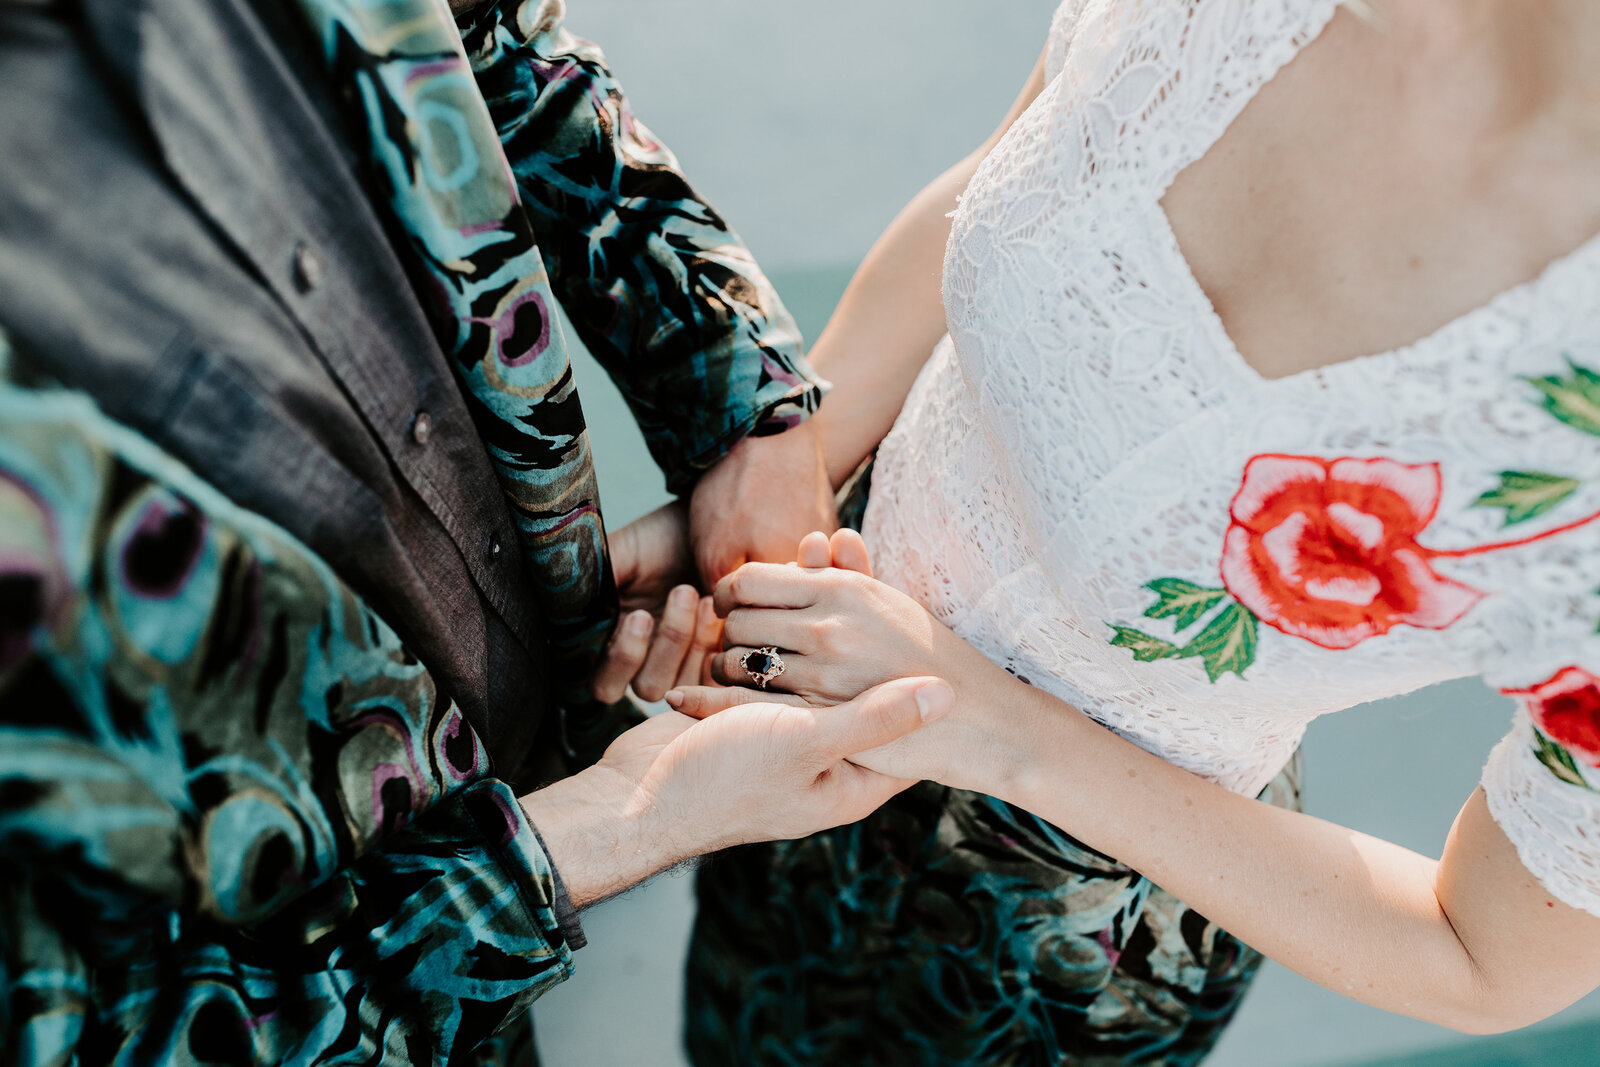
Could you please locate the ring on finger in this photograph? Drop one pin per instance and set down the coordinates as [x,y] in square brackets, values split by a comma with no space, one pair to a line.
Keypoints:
[763,665]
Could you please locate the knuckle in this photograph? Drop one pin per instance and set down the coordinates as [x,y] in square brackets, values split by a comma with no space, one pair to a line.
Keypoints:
[673,633]
[830,635]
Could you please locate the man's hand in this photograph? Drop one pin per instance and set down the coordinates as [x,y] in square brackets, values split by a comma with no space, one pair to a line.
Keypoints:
[667,629]
[672,788]
[759,501]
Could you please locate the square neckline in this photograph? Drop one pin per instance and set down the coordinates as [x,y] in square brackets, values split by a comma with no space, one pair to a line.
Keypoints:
[1172,250]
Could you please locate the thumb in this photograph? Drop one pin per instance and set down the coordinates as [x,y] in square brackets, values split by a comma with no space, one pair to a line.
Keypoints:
[813,551]
[885,713]
[704,701]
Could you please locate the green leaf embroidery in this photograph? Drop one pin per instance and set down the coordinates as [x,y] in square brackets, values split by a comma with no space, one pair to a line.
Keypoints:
[1228,643]
[1145,647]
[1558,761]
[1574,399]
[1527,494]
[1184,601]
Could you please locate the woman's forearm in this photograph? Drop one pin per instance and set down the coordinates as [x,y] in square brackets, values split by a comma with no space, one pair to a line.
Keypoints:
[892,315]
[1454,942]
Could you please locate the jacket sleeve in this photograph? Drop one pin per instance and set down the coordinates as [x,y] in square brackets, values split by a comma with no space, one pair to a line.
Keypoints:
[234,812]
[659,288]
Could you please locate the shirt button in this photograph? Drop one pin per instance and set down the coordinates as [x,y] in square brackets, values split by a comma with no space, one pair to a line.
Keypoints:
[422,428]
[494,547]
[307,268]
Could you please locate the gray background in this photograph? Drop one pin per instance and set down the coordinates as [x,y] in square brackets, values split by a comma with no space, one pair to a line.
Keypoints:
[809,126]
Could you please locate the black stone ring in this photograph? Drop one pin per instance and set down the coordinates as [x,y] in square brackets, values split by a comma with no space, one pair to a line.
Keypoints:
[763,665]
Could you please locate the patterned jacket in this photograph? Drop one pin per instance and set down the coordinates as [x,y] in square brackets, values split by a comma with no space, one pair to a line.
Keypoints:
[239,822]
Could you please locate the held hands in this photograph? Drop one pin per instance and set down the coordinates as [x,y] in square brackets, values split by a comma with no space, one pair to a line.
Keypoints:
[667,630]
[673,788]
[842,632]
[769,771]
[756,504]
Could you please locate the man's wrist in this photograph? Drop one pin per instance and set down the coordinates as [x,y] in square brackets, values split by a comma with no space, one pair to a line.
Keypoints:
[602,832]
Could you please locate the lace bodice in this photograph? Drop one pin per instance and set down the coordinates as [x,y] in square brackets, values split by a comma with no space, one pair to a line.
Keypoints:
[1090,484]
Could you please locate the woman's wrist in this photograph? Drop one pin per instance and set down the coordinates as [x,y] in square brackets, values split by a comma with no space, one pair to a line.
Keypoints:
[1023,736]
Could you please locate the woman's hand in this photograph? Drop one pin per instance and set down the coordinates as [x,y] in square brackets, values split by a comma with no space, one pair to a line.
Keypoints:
[839,630]
[842,632]
[667,631]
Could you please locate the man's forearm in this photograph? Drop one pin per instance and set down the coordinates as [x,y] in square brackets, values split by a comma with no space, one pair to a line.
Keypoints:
[661,290]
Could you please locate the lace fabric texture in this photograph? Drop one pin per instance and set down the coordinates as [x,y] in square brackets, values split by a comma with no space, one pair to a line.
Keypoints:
[1084,429]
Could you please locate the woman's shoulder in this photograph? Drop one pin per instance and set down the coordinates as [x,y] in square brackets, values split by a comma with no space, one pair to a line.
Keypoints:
[1191,61]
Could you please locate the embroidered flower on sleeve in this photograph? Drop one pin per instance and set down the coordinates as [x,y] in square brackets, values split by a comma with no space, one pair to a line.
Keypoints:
[1566,714]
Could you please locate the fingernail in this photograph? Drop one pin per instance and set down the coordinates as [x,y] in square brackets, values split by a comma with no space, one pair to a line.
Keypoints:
[639,622]
[934,700]
[685,595]
[674,698]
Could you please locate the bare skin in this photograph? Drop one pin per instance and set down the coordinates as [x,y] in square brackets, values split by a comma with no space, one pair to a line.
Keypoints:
[673,788]
[1394,176]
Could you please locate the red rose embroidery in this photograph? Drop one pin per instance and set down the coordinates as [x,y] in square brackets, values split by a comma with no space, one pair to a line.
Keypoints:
[1567,710]
[1326,550]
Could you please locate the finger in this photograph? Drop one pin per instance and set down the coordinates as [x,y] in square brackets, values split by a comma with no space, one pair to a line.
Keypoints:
[767,585]
[884,713]
[623,657]
[848,551]
[703,701]
[728,668]
[813,551]
[707,640]
[782,627]
[669,646]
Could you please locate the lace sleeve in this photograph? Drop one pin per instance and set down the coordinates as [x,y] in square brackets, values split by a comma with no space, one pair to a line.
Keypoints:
[1063,29]
[1543,780]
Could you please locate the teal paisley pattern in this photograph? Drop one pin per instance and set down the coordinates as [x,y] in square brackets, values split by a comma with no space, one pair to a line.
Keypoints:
[947,929]
[238,823]
[554,171]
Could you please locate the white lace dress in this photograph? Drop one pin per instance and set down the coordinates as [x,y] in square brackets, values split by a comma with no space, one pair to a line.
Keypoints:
[1091,485]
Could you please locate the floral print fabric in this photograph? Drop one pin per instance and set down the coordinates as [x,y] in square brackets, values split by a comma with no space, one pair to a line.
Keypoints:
[238,822]
[556,171]
[949,928]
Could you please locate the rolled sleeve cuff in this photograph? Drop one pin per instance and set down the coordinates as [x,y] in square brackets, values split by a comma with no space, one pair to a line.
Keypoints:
[566,915]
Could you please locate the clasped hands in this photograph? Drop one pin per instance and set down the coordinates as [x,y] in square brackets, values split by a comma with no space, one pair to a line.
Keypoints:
[842,633]
[878,694]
